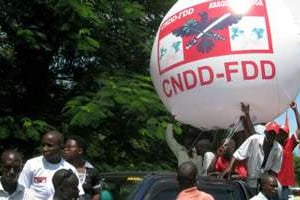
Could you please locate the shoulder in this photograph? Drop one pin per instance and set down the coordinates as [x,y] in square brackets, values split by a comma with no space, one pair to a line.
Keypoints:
[65,164]
[252,140]
[256,137]
[206,196]
[259,196]
[209,154]
[87,164]
[35,162]
[92,171]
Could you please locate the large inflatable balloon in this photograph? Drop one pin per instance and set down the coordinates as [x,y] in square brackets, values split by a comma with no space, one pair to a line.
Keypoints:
[210,55]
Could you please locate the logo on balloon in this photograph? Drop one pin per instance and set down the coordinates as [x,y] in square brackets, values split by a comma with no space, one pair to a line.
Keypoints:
[208,30]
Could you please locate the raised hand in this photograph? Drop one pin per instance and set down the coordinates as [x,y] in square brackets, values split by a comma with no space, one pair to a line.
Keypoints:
[293,105]
[245,108]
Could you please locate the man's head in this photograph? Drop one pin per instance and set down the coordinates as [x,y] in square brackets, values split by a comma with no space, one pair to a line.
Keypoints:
[268,185]
[203,146]
[186,175]
[11,166]
[65,184]
[271,131]
[283,134]
[188,136]
[52,144]
[74,147]
[229,147]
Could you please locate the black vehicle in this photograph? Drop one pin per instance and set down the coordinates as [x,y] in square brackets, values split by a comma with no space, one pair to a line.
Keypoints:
[164,186]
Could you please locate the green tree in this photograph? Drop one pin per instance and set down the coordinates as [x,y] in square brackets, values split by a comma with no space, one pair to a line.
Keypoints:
[82,67]
[297,169]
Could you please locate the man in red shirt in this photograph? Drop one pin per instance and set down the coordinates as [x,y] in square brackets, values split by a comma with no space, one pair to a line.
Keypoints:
[286,176]
[223,158]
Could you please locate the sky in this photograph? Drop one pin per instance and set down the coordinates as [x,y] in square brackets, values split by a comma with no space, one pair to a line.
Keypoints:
[292,121]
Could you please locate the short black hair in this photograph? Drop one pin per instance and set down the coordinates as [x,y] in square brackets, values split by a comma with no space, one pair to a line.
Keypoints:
[58,134]
[186,174]
[60,177]
[264,178]
[12,151]
[79,140]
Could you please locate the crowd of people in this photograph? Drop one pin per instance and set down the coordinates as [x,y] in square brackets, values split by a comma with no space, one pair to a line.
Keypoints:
[263,160]
[60,173]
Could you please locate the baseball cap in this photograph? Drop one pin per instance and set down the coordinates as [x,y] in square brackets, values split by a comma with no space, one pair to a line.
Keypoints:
[272,126]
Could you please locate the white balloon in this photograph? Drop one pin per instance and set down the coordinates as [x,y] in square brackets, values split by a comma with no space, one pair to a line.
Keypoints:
[207,58]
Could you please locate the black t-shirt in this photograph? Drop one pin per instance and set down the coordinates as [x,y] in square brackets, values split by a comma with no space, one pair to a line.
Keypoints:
[92,179]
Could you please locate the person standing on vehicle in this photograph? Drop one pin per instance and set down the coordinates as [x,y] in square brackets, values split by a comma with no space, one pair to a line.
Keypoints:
[268,188]
[223,158]
[286,175]
[37,172]
[11,166]
[74,150]
[183,152]
[204,149]
[263,154]
[199,155]
[187,177]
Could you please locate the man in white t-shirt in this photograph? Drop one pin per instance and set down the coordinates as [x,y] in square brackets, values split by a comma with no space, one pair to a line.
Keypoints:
[38,172]
[262,153]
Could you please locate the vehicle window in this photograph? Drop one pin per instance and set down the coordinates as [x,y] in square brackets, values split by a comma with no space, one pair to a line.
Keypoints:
[164,189]
[120,189]
[220,194]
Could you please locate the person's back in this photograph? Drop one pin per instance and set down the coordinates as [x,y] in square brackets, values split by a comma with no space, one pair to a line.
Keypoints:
[186,176]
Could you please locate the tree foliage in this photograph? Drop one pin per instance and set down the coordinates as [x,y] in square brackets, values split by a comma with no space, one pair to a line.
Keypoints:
[297,169]
[81,66]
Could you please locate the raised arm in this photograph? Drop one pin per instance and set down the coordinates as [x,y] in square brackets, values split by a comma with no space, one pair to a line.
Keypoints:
[294,107]
[171,141]
[248,125]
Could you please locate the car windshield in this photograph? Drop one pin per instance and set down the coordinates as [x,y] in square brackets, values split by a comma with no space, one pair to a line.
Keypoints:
[119,188]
